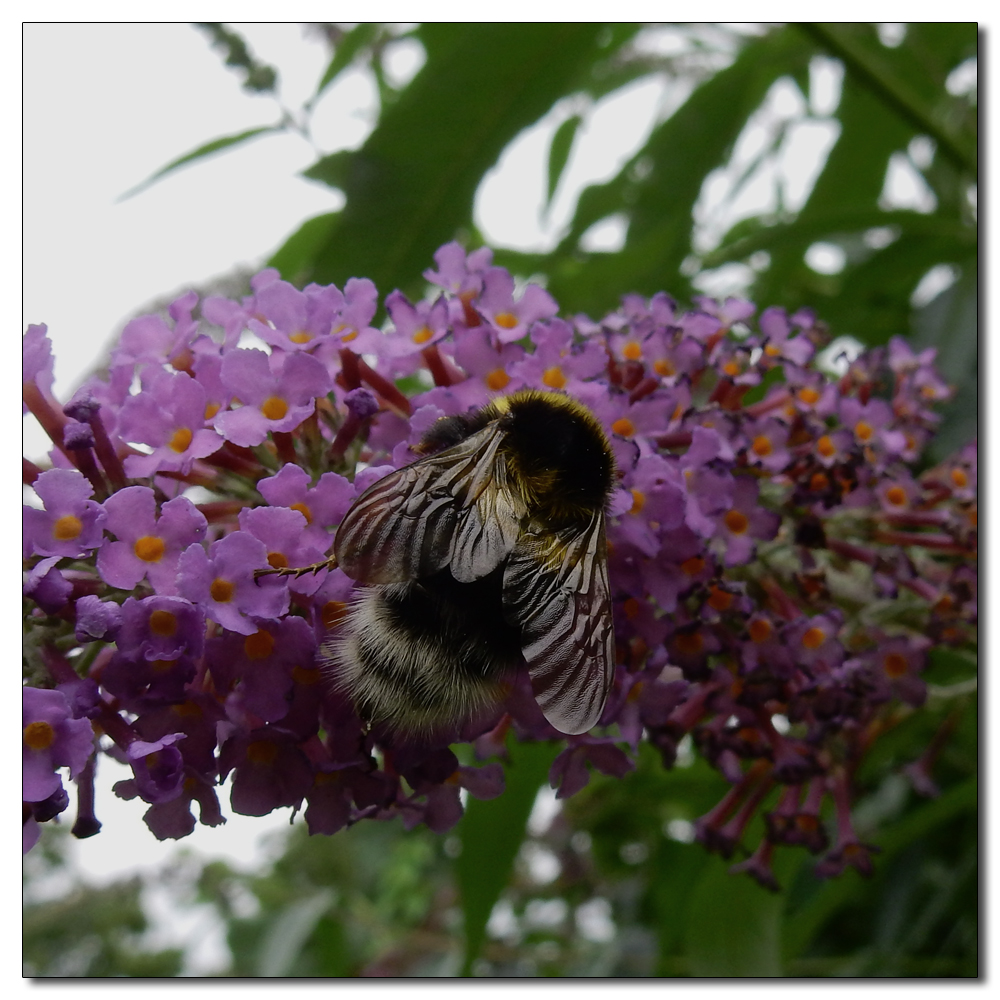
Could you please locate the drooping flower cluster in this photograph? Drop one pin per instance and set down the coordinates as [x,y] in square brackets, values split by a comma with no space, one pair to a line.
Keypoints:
[767,525]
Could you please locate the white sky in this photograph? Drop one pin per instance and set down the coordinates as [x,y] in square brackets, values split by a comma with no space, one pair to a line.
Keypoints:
[105,105]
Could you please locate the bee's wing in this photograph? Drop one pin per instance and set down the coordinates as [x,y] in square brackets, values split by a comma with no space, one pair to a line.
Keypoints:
[556,588]
[450,509]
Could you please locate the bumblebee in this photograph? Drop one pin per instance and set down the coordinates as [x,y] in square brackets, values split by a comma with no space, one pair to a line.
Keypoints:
[487,553]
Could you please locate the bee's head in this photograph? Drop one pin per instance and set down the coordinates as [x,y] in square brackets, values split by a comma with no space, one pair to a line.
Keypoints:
[558,451]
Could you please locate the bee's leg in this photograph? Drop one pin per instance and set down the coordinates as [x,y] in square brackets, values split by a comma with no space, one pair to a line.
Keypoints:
[297,571]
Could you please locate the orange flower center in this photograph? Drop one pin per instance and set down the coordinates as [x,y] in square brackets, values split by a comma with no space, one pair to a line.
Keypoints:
[863,431]
[959,478]
[181,439]
[39,736]
[304,510]
[507,320]
[306,675]
[664,367]
[690,643]
[693,566]
[760,630]
[149,548]
[808,395]
[262,752]
[813,638]
[222,591]
[300,337]
[259,645]
[896,495]
[67,528]
[632,351]
[497,379]
[638,501]
[736,521]
[554,378]
[720,599]
[333,613]
[825,446]
[277,560]
[762,446]
[894,665]
[422,335]
[623,427]
[274,408]
[163,623]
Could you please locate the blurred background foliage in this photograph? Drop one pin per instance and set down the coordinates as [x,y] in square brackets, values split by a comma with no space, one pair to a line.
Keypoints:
[609,883]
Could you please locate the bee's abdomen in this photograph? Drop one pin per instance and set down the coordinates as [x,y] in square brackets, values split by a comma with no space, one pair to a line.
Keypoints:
[423,655]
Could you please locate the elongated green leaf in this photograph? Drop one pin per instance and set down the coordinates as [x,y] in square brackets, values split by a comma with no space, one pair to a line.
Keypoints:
[215,146]
[410,187]
[751,235]
[290,931]
[877,68]
[491,833]
[347,48]
[296,255]
[659,198]
[951,324]
[734,926]
[804,923]
[559,149]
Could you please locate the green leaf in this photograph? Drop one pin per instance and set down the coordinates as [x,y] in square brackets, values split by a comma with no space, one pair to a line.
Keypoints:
[491,833]
[877,69]
[804,923]
[411,186]
[950,323]
[215,146]
[296,255]
[659,187]
[290,931]
[347,49]
[734,926]
[559,149]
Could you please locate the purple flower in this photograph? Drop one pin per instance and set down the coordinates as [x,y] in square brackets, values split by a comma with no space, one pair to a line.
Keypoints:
[161,628]
[282,530]
[46,586]
[323,506]
[169,416]
[556,363]
[147,546]
[149,340]
[295,320]
[511,319]
[779,343]
[158,768]
[37,362]
[51,739]
[658,504]
[261,665]
[417,326]
[269,772]
[71,523]
[489,366]
[459,272]
[97,620]
[278,392]
[222,582]
[745,522]
[768,444]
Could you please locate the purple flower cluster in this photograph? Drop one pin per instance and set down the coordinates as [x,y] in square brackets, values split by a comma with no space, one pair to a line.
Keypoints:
[767,519]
